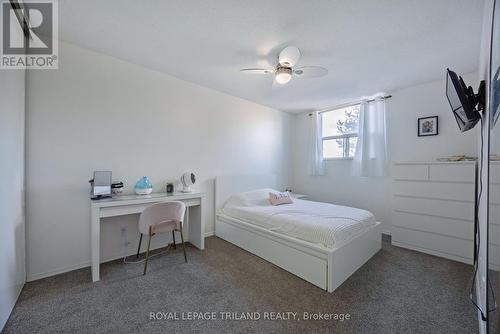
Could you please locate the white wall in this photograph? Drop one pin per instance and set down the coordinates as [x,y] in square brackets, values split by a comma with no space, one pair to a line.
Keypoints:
[98,112]
[12,236]
[428,99]
[403,110]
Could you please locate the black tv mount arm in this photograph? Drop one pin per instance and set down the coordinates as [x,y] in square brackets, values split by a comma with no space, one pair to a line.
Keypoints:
[481,96]
[479,99]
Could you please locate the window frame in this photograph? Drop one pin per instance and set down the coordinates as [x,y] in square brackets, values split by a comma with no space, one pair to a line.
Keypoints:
[346,136]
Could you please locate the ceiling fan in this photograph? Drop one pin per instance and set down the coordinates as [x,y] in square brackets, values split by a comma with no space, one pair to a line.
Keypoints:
[287,59]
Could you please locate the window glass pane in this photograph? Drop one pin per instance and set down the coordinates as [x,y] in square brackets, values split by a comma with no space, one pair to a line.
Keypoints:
[352,146]
[340,121]
[333,148]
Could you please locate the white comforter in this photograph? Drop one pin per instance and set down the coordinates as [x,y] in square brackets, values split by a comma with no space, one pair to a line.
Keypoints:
[321,223]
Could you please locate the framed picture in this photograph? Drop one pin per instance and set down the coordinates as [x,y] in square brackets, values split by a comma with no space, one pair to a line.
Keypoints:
[428,126]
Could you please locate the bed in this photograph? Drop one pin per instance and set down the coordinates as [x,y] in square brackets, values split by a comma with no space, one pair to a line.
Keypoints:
[321,243]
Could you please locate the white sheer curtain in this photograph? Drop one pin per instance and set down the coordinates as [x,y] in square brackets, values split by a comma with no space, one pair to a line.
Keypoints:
[315,154]
[370,158]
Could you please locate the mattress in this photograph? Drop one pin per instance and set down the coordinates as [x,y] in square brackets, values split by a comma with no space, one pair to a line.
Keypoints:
[326,224]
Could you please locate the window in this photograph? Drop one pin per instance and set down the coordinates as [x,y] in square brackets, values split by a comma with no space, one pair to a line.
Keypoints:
[339,132]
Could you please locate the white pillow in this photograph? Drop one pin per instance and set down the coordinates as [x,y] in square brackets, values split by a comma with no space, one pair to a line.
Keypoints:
[279,198]
[251,198]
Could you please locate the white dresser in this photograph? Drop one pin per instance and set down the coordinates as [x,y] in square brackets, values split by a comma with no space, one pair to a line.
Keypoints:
[433,208]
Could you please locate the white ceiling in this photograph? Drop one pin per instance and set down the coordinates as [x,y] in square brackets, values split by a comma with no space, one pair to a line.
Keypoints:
[368,46]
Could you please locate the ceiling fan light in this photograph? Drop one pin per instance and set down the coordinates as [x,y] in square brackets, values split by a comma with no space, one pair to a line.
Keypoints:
[283,75]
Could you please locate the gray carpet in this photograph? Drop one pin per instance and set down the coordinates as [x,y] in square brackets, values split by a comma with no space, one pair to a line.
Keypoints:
[397,291]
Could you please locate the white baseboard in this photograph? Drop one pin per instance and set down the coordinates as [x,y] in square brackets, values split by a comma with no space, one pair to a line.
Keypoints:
[34,277]
[37,276]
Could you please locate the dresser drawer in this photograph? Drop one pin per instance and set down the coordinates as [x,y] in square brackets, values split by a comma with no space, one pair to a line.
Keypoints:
[452,173]
[435,207]
[446,226]
[463,249]
[494,256]
[435,190]
[494,234]
[494,215]
[495,173]
[410,172]
[494,193]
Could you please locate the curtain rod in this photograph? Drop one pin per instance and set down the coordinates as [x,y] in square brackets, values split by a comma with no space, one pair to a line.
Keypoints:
[351,104]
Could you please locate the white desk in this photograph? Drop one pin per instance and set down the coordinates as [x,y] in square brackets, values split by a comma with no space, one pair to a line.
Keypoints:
[130,204]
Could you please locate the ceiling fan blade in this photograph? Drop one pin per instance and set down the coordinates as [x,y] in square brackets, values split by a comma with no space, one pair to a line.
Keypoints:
[257,71]
[310,71]
[289,56]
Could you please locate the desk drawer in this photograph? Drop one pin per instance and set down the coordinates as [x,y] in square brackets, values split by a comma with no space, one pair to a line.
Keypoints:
[138,208]
[192,202]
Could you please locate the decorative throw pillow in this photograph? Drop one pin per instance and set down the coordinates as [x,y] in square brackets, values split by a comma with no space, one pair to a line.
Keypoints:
[279,198]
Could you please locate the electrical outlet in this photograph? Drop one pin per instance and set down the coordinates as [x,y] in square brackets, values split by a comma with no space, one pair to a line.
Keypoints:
[127,243]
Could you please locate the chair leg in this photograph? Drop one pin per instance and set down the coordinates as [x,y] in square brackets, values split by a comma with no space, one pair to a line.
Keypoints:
[139,248]
[147,253]
[173,238]
[183,246]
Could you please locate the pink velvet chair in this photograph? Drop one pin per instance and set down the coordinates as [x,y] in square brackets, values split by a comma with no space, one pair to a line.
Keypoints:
[161,218]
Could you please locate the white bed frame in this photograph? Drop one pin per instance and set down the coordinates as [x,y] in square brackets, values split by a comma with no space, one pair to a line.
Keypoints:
[324,267]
